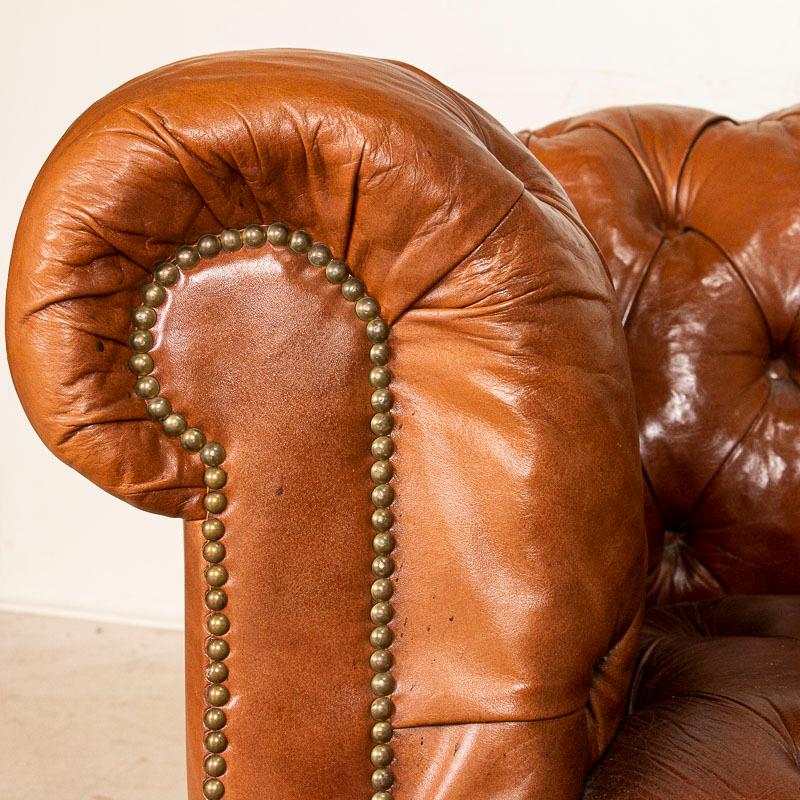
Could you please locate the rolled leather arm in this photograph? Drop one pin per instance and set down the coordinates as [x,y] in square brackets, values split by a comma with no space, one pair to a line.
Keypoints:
[508,514]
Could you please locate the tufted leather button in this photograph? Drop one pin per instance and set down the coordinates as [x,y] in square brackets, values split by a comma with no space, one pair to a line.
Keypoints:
[778,370]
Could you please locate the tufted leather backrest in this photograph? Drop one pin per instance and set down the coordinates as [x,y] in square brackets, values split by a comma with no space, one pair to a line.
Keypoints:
[698,218]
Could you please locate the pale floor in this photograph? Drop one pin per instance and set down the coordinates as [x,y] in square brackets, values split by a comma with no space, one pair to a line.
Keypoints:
[90,711]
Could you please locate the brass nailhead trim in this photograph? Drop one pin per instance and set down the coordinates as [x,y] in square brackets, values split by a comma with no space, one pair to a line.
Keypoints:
[212,454]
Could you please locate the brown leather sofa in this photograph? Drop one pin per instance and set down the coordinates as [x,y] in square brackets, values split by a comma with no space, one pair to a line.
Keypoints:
[417,535]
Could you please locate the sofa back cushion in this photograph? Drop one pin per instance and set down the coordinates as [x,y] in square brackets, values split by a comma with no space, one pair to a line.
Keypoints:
[698,218]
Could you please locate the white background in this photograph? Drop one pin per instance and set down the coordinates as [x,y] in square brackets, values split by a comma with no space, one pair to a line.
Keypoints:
[67,547]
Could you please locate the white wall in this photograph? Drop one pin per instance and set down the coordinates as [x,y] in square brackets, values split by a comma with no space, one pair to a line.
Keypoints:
[64,545]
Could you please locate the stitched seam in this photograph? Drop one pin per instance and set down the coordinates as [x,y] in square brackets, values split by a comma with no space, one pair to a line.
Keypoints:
[432,287]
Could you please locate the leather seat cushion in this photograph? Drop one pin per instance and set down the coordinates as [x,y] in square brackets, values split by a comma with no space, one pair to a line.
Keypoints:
[715,707]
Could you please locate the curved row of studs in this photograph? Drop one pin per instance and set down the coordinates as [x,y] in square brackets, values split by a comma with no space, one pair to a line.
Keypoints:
[212,454]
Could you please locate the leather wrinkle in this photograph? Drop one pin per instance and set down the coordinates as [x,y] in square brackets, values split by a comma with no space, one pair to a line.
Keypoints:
[355,193]
[159,131]
[580,225]
[441,279]
[508,721]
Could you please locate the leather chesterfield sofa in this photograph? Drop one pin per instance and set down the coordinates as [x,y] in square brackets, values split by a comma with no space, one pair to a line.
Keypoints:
[486,446]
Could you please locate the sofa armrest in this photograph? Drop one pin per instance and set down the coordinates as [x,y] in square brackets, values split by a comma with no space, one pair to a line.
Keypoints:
[486,447]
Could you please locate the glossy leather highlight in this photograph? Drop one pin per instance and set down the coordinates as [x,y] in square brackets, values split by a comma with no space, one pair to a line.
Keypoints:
[697,218]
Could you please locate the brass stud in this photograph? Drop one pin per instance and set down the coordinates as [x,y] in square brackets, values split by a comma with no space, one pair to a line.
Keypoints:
[337,272]
[213,529]
[215,766]
[382,448]
[382,796]
[381,637]
[381,613]
[147,387]
[216,742]
[352,289]
[219,624]
[300,241]
[216,672]
[215,502]
[216,576]
[159,408]
[187,257]
[319,255]
[215,477]
[217,695]
[383,543]
[381,661]
[208,246]
[231,240]
[382,423]
[154,294]
[174,425]
[278,234]
[254,235]
[140,341]
[382,566]
[213,552]
[382,755]
[166,274]
[379,354]
[217,649]
[367,308]
[382,400]
[382,519]
[381,709]
[382,731]
[143,317]
[192,439]
[213,454]
[216,599]
[382,778]
[382,495]
[378,330]
[381,471]
[215,719]
[213,789]
[380,377]
[381,589]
